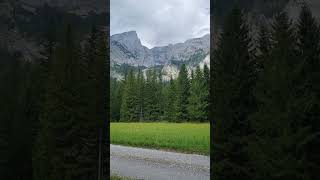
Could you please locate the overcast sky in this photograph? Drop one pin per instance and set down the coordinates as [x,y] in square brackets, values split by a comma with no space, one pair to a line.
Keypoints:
[160,22]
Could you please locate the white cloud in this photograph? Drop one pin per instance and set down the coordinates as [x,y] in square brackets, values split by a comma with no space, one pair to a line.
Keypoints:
[160,22]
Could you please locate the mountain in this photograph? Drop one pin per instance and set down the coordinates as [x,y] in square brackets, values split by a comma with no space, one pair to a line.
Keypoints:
[24,24]
[126,50]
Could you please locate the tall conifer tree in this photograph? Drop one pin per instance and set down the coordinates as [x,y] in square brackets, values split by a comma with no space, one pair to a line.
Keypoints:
[130,107]
[182,89]
[305,106]
[198,97]
[273,121]
[233,80]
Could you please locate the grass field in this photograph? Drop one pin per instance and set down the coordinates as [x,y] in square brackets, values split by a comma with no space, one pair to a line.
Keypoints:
[182,137]
[119,178]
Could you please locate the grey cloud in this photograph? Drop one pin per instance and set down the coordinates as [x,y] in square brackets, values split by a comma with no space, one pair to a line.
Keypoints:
[160,22]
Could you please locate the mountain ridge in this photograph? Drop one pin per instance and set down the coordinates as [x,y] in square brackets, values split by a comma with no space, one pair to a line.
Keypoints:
[127,49]
[170,44]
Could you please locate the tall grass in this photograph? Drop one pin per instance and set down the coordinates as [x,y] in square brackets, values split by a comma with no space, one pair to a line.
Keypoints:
[183,137]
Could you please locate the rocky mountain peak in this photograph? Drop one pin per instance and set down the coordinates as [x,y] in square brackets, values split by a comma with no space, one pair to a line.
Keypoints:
[129,39]
[126,49]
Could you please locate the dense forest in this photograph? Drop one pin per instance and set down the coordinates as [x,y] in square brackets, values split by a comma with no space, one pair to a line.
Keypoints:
[53,109]
[146,97]
[266,99]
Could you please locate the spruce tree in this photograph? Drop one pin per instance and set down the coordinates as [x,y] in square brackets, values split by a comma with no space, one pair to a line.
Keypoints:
[92,111]
[59,128]
[206,76]
[305,106]
[273,121]
[41,76]
[169,100]
[233,80]
[308,35]
[115,98]
[152,106]
[198,97]
[130,107]
[160,95]
[140,86]
[16,122]
[182,89]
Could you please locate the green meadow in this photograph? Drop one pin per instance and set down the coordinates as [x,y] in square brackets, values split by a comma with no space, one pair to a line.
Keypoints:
[181,137]
[115,177]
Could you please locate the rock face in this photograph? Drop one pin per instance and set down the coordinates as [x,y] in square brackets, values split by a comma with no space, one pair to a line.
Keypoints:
[24,23]
[126,48]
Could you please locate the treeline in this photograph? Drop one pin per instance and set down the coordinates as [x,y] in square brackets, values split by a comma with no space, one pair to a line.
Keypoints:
[147,97]
[266,99]
[53,109]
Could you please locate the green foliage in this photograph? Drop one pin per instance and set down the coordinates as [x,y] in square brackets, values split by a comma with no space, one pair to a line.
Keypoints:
[16,117]
[115,98]
[73,111]
[169,92]
[233,81]
[59,111]
[272,121]
[130,107]
[147,97]
[197,100]
[152,97]
[182,87]
[266,107]
[54,107]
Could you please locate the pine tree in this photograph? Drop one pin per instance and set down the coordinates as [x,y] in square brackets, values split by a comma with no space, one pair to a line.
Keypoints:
[305,105]
[130,107]
[41,75]
[16,122]
[92,110]
[308,69]
[140,84]
[102,98]
[273,121]
[198,97]
[233,80]
[206,76]
[4,114]
[152,106]
[116,88]
[59,128]
[169,99]
[160,95]
[182,89]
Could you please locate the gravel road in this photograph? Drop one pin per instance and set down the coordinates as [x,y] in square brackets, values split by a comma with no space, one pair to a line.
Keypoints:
[147,164]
